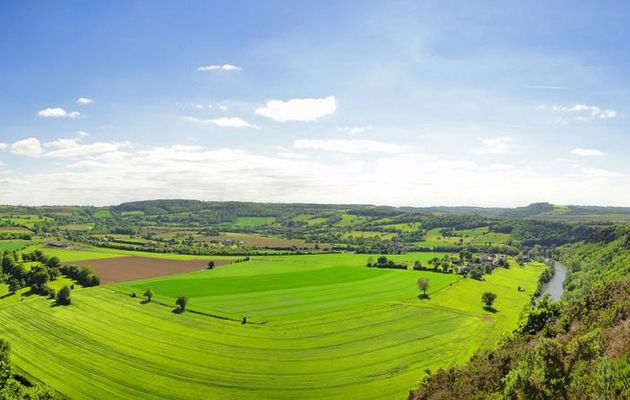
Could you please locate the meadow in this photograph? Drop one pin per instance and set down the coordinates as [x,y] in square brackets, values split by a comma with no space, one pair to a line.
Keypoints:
[318,326]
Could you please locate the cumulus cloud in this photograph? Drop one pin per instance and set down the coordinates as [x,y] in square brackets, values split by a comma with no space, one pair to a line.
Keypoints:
[298,109]
[494,145]
[225,122]
[227,174]
[84,100]
[58,112]
[3,146]
[354,146]
[587,152]
[584,112]
[217,67]
[27,147]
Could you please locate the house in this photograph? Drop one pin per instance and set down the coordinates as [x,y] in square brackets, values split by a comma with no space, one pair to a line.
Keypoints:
[58,245]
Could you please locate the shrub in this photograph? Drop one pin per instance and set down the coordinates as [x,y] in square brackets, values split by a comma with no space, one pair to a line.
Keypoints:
[488,299]
[63,297]
[182,302]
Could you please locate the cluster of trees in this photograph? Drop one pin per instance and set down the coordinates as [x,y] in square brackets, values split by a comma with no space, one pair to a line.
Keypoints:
[384,262]
[37,277]
[83,275]
[589,263]
[15,235]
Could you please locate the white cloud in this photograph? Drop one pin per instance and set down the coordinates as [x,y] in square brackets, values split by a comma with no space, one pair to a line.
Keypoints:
[181,147]
[228,174]
[71,148]
[225,122]
[298,109]
[599,173]
[27,147]
[3,146]
[353,130]
[288,154]
[58,112]
[584,112]
[587,152]
[84,100]
[233,122]
[216,67]
[354,146]
[494,145]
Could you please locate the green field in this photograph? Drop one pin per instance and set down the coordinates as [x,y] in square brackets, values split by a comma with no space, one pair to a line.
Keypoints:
[332,329]
[10,245]
[253,221]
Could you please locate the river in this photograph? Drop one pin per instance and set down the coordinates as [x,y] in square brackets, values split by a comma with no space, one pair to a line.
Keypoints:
[554,286]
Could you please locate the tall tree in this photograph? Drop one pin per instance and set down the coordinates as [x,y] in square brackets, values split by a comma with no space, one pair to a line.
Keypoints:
[423,286]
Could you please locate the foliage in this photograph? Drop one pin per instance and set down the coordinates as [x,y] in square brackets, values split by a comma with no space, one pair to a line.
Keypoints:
[181,302]
[423,285]
[488,298]
[148,294]
[63,296]
[578,349]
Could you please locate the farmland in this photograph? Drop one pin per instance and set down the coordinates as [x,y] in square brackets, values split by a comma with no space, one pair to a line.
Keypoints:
[305,301]
[321,326]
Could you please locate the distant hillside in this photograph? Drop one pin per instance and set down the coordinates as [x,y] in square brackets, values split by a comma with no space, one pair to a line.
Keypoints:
[541,211]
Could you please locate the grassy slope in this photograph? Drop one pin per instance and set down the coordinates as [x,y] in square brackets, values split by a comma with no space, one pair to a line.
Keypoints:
[368,337]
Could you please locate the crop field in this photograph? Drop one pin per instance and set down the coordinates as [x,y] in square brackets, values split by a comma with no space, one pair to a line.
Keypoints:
[91,253]
[318,326]
[120,269]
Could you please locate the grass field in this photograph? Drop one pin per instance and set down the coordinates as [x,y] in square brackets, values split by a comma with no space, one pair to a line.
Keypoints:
[23,294]
[247,222]
[11,245]
[334,329]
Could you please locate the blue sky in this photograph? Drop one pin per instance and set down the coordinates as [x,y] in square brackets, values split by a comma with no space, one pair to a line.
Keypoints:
[392,102]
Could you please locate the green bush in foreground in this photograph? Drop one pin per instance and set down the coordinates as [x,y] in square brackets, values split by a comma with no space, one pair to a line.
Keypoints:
[63,297]
[182,302]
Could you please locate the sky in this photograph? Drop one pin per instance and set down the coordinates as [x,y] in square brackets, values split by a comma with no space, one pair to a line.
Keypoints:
[398,103]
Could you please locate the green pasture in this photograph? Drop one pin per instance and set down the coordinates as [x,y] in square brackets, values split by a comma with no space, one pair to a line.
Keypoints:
[319,327]
[247,222]
[26,220]
[10,245]
[20,295]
